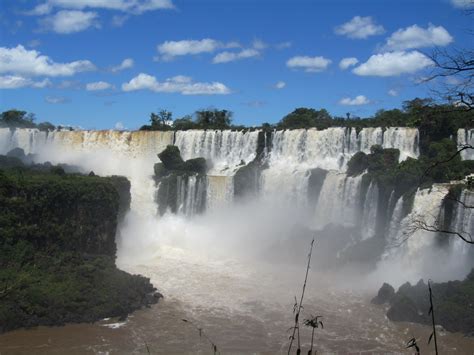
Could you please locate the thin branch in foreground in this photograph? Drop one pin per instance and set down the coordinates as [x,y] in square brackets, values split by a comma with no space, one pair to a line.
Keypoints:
[299,306]
[440,162]
[203,335]
[431,311]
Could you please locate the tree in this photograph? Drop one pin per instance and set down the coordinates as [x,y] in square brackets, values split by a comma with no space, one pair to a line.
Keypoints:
[303,117]
[161,119]
[217,119]
[17,119]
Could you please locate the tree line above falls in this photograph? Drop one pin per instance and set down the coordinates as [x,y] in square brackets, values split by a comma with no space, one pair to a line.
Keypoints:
[437,120]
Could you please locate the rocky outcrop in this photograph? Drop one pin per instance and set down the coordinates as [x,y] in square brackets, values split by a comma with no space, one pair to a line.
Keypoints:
[181,184]
[452,302]
[385,294]
[57,249]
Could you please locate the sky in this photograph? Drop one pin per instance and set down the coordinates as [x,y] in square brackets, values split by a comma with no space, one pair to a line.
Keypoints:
[100,64]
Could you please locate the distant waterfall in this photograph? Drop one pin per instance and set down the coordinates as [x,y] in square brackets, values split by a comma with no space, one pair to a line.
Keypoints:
[295,152]
[466,136]
[463,221]
[190,195]
[220,190]
[369,216]
[338,200]
[224,149]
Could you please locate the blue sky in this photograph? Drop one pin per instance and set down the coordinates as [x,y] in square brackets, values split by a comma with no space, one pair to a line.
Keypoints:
[109,63]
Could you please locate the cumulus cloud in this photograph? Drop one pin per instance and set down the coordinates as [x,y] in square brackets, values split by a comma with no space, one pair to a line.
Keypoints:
[393,63]
[16,82]
[98,86]
[348,62]
[359,28]
[54,100]
[279,85]
[20,61]
[393,92]
[308,64]
[119,126]
[70,21]
[463,4]
[171,49]
[135,6]
[226,56]
[178,84]
[418,37]
[356,101]
[126,64]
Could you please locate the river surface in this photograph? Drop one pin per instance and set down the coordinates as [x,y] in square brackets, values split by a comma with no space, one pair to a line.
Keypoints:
[242,307]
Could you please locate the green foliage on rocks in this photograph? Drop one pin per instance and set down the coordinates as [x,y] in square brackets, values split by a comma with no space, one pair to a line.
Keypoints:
[57,249]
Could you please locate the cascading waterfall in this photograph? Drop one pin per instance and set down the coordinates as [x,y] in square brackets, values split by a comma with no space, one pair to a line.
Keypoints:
[465,137]
[463,221]
[338,200]
[369,216]
[290,164]
[225,151]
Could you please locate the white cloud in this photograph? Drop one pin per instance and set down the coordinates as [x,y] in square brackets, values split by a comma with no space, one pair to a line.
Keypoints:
[132,6]
[347,62]
[97,86]
[463,4]
[393,92]
[119,126]
[356,101]
[178,84]
[119,20]
[283,45]
[126,64]
[54,100]
[16,82]
[259,44]
[418,37]
[309,64]
[393,63]
[34,43]
[279,85]
[226,56]
[360,28]
[20,61]
[171,49]
[70,21]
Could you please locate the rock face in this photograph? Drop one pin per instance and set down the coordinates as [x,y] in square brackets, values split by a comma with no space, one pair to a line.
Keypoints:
[385,294]
[181,184]
[57,249]
[452,302]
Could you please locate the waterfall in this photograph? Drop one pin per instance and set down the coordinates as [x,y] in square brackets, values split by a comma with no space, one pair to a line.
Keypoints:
[395,220]
[369,216]
[190,194]
[466,136]
[220,190]
[404,139]
[463,221]
[338,200]
[131,154]
[295,152]
[224,149]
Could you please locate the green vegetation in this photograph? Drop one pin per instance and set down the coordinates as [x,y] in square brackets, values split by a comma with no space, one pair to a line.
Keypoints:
[203,119]
[383,167]
[57,248]
[22,119]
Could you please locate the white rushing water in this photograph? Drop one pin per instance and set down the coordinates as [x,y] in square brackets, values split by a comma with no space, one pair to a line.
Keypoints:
[232,269]
[466,137]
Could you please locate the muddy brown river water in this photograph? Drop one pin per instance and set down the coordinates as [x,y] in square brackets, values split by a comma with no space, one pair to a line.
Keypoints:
[242,308]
